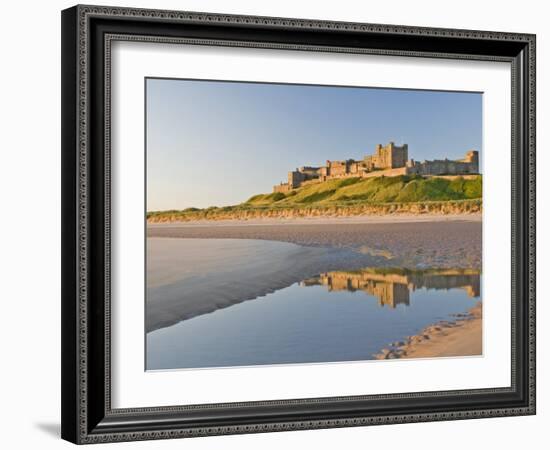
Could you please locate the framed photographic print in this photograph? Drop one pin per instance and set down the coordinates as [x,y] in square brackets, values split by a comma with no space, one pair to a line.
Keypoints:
[276,224]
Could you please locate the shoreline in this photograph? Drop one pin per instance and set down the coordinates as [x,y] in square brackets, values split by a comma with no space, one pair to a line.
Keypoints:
[409,243]
[365,219]
[447,338]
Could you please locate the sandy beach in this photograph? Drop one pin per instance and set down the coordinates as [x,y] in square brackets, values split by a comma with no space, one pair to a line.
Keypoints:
[460,337]
[411,242]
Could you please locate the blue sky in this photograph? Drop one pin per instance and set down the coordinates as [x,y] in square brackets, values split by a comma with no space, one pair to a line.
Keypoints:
[212,143]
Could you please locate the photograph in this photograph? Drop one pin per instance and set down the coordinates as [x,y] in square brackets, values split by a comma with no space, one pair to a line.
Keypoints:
[310,224]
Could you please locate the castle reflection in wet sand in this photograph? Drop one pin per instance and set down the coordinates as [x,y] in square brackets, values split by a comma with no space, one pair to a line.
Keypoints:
[392,287]
[333,317]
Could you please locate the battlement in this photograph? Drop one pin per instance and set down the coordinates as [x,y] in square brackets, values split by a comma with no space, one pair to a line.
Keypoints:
[387,160]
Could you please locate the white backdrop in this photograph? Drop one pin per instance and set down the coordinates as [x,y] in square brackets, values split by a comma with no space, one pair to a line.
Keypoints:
[133,387]
[30,189]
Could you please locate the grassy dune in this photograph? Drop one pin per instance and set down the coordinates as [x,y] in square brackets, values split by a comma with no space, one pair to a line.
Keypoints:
[349,197]
[400,189]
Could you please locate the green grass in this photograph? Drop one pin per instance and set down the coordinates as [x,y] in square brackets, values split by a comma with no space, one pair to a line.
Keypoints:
[400,189]
[350,196]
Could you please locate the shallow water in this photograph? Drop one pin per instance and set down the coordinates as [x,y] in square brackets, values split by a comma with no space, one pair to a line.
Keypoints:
[336,316]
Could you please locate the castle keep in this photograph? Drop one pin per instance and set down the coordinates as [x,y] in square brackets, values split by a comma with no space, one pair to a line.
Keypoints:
[389,160]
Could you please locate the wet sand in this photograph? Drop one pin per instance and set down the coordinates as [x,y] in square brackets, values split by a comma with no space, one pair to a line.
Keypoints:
[191,277]
[461,337]
[412,242]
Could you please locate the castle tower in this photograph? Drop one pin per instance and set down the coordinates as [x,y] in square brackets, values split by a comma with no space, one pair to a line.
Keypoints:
[473,157]
[397,156]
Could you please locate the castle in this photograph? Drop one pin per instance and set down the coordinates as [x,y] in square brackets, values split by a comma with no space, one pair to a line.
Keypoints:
[390,160]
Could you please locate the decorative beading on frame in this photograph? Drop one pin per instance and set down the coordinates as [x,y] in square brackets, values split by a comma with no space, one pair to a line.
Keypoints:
[84,13]
[281,22]
[82,221]
[303,425]
[531,98]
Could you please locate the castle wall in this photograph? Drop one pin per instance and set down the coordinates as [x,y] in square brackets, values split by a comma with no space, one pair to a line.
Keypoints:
[386,173]
[295,178]
[312,181]
[337,168]
[443,167]
[341,168]
[283,187]
[309,172]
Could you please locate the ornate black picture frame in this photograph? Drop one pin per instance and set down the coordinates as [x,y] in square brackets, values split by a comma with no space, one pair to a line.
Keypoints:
[87,33]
